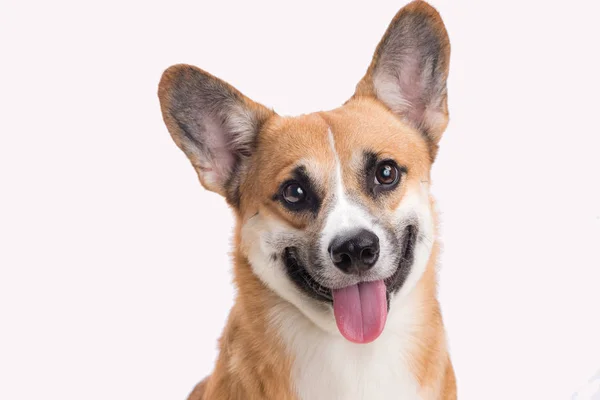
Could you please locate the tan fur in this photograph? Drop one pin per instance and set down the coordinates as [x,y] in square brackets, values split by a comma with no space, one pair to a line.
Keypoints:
[165,89]
[282,143]
[253,362]
[364,123]
[198,392]
[361,124]
[435,126]
[430,361]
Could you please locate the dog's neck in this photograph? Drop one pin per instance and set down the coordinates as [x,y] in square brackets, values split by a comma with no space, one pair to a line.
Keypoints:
[270,349]
[399,364]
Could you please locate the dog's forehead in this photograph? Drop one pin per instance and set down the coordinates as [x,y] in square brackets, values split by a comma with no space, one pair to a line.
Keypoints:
[317,141]
[367,126]
[287,140]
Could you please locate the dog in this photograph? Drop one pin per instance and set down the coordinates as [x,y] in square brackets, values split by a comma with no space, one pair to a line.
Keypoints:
[335,240]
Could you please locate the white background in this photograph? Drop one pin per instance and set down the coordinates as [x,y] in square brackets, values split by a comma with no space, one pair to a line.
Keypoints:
[115,280]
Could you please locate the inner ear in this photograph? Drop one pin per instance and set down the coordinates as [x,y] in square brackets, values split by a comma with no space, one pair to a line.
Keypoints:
[213,123]
[410,68]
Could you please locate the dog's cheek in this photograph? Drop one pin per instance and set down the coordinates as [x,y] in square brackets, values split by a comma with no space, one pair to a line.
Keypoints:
[263,241]
[416,209]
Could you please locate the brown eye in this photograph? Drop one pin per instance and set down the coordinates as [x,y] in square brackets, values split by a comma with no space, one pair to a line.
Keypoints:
[386,174]
[293,193]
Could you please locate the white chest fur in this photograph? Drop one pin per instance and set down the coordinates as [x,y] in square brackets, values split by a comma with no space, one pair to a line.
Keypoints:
[328,367]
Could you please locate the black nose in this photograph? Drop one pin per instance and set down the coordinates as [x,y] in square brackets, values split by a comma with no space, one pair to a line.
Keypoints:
[356,252]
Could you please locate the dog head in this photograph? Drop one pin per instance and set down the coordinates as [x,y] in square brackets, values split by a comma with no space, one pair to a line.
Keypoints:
[333,207]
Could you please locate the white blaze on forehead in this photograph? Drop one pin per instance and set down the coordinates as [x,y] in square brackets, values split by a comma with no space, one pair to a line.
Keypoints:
[344,214]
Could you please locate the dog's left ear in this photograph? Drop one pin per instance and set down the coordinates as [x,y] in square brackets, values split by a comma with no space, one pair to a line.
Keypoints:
[215,125]
[409,70]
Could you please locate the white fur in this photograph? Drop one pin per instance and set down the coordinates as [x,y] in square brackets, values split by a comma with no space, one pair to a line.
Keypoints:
[343,217]
[325,365]
[417,203]
[328,367]
[258,244]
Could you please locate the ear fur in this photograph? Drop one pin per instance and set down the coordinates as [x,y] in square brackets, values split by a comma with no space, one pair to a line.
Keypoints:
[213,123]
[410,68]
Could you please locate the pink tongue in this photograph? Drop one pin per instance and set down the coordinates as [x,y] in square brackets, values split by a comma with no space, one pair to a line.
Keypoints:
[360,311]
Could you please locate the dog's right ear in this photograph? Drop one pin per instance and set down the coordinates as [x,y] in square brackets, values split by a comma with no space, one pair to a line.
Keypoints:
[213,123]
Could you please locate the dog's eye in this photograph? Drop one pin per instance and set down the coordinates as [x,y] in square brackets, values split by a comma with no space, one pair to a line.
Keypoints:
[293,193]
[386,174]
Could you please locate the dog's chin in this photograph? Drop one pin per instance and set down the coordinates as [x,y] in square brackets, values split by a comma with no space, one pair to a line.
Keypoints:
[304,280]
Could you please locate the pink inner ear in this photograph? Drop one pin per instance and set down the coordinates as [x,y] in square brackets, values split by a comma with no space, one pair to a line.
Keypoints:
[221,156]
[400,86]
[412,86]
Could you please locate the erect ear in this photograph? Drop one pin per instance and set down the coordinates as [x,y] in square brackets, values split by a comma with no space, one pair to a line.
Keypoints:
[409,70]
[213,123]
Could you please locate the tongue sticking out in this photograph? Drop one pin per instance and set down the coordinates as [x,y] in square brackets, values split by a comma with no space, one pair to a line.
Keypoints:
[360,311]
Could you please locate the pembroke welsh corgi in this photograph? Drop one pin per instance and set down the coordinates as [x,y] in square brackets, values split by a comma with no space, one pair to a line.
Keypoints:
[335,240]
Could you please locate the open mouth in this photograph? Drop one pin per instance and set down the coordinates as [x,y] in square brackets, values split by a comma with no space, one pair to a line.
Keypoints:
[304,280]
[361,309]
